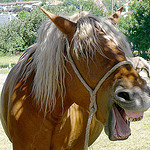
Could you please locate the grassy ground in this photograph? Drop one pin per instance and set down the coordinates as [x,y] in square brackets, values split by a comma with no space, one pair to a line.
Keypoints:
[5,144]
[6,60]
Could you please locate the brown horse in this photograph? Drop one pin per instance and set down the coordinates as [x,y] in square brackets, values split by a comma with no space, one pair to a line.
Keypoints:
[140,64]
[72,83]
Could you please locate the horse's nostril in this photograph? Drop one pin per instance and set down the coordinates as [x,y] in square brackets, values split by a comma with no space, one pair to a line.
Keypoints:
[124,95]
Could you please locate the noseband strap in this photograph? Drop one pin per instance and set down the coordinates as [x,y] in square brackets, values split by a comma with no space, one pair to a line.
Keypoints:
[93,105]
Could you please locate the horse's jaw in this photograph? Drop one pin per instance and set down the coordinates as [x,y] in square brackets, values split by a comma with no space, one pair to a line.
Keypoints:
[114,124]
[118,125]
[122,111]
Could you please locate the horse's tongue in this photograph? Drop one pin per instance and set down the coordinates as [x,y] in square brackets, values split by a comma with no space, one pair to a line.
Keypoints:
[121,127]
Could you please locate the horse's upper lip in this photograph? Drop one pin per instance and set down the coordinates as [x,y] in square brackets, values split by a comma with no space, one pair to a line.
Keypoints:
[134,99]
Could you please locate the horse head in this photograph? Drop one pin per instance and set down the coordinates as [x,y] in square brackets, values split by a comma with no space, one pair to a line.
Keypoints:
[96,46]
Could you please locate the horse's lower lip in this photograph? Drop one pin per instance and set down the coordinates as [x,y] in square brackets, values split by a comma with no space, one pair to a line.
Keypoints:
[121,126]
[118,125]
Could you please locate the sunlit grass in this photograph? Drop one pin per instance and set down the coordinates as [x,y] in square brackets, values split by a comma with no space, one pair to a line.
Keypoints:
[5,61]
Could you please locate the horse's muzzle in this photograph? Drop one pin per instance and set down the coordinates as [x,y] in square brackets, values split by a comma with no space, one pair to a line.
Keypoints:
[134,99]
[128,105]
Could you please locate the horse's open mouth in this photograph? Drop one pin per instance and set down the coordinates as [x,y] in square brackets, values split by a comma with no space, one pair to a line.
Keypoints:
[119,124]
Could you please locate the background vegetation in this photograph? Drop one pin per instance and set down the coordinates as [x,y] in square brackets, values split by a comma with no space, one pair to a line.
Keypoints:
[8,1]
[136,26]
[20,33]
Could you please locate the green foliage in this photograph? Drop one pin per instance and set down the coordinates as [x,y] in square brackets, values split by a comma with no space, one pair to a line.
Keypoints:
[107,4]
[83,5]
[9,1]
[137,28]
[20,33]
[10,37]
[117,5]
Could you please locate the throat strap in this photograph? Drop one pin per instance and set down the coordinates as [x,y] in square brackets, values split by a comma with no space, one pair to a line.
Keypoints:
[93,105]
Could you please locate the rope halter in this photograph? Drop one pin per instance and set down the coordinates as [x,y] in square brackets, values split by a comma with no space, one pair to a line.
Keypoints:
[93,105]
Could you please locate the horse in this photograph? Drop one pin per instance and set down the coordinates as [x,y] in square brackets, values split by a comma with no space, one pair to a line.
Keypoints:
[140,64]
[71,84]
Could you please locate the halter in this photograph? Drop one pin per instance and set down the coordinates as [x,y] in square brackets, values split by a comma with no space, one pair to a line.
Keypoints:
[93,105]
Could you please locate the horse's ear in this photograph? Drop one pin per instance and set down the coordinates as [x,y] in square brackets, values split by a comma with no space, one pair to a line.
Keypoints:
[115,17]
[64,25]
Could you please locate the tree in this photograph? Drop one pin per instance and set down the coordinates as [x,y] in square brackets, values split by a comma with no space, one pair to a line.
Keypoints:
[20,33]
[84,5]
[136,26]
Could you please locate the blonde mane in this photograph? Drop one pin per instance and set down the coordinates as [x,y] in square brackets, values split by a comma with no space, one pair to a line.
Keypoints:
[48,59]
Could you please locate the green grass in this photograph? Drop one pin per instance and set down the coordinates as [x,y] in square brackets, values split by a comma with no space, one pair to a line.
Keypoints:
[7,59]
[4,71]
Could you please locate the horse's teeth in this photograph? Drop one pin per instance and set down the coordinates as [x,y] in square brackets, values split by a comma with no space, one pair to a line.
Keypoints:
[135,119]
[140,118]
[127,118]
[131,119]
